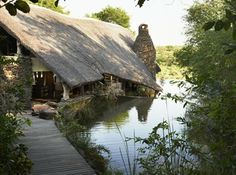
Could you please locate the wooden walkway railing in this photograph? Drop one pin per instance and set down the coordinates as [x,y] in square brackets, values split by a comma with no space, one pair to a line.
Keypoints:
[50,151]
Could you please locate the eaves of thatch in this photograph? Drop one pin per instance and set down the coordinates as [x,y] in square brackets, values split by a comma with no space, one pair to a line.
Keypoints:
[78,50]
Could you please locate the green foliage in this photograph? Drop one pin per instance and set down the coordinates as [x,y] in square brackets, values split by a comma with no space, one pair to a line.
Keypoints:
[12,6]
[11,9]
[13,156]
[51,4]
[211,119]
[165,152]
[113,15]
[167,61]
[225,22]
[23,5]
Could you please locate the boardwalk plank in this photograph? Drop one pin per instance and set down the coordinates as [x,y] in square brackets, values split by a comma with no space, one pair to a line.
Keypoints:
[50,151]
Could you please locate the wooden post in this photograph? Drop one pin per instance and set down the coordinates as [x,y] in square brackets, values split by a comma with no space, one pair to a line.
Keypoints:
[66,91]
[18,48]
[82,90]
[92,87]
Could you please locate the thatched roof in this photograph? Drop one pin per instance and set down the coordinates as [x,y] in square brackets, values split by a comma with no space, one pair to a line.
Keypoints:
[78,50]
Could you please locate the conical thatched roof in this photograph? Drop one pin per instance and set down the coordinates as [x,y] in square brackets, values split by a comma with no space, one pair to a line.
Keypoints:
[78,50]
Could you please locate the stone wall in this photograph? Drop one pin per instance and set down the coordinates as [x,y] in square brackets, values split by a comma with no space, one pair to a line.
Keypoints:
[25,76]
[144,48]
[19,74]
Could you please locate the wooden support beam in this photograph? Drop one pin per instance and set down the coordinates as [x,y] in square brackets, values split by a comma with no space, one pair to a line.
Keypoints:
[66,91]
[18,48]
[82,90]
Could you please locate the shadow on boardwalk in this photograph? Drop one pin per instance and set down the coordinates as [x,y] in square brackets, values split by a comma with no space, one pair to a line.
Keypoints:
[50,151]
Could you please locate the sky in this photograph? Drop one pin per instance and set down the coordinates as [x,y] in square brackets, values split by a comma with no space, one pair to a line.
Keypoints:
[165,18]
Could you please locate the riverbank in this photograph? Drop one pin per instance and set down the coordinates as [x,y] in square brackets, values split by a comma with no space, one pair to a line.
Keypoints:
[96,124]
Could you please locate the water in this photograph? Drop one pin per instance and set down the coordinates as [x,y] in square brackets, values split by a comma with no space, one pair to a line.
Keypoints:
[134,117]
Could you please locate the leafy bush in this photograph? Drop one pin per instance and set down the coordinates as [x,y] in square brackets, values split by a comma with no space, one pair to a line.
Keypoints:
[13,156]
[165,152]
[211,119]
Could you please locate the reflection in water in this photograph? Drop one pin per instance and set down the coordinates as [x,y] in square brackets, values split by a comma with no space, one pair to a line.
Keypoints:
[143,109]
[120,119]
[133,116]
[210,140]
[117,112]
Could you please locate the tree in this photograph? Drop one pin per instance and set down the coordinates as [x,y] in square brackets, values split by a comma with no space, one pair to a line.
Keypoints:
[23,5]
[50,4]
[13,5]
[113,15]
[210,112]
[211,118]
[225,23]
[167,61]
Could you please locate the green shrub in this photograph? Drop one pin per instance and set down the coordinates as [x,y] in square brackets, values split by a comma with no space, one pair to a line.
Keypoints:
[165,152]
[13,156]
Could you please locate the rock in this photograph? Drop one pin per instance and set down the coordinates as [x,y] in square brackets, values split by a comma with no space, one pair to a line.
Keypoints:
[47,114]
[44,111]
[52,104]
[39,107]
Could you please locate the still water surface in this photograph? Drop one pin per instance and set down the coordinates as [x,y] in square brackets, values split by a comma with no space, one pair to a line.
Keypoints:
[134,116]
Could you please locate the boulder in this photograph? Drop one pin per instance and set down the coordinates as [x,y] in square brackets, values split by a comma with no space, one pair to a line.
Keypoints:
[39,107]
[52,104]
[47,114]
[44,111]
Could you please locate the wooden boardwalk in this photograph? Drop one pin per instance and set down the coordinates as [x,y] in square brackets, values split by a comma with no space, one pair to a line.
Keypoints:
[50,152]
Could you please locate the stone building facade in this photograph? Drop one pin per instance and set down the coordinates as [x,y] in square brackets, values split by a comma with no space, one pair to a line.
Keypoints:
[25,76]
[144,48]
[19,74]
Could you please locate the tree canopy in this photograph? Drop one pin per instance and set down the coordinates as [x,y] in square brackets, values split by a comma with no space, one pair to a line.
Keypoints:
[225,22]
[50,4]
[13,5]
[113,15]
[23,5]
[211,116]
[168,63]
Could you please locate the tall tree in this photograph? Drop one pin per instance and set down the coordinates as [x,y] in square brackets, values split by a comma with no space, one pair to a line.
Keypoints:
[113,15]
[211,118]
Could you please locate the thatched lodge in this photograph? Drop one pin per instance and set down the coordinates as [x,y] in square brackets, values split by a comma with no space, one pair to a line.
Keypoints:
[68,57]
